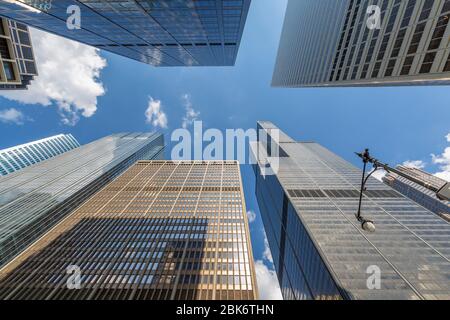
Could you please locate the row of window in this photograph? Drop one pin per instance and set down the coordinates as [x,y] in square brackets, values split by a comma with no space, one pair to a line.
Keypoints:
[393,55]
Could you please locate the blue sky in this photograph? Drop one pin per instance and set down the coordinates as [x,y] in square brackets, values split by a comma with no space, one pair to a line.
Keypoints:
[398,124]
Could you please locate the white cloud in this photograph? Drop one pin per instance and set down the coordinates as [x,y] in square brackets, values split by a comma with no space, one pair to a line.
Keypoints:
[268,286]
[191,115]
[267,254]
[251,215]
[154,114]
[379,174]
[443,161]
[12,115]
[68,77]
[418,164]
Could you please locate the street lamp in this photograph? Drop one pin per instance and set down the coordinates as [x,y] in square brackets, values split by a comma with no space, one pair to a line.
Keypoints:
[442,193]
[366,225]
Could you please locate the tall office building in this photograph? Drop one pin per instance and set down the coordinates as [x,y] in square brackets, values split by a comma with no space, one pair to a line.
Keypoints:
[36,198]
[419,194]
[17,63]
[320,250]
[24,155]
[162,230]
[338,43]
[157,32]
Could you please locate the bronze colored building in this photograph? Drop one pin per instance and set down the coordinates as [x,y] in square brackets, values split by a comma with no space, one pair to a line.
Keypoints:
[161,230]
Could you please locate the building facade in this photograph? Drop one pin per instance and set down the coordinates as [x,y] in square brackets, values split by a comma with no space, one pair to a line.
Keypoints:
[158,32]
[36,198]
[419,194]
[340,43]
[16,158]
[320,250]
[17,63]
[162,230]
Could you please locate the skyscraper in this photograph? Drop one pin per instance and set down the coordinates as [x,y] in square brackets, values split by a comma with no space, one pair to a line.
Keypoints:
[36,198]
[338,43]
[419,194]
[162,230]
[157,32]
[24,155]
[320,250]
[17,64]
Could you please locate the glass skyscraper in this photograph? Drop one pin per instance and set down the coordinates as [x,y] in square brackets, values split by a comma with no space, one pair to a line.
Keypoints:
[17,63]
[157,32]
[338,43]
[36,198]
[320,250]
[419,194]
[24,155]
[162,230]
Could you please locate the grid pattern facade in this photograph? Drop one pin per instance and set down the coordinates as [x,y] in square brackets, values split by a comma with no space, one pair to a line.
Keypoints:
[17,63]
[25,155]
[319,248]
[412,47]
[36,198]
[162,230]
[157,32]
[419,194]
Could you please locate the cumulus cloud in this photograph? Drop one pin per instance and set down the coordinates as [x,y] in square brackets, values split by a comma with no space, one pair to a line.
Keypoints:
[379,174]
[68,77]
[443,161]
[191,115]
[268,286]
[154,114]
[418,164]
[12,115]
[267,254]
[251,215]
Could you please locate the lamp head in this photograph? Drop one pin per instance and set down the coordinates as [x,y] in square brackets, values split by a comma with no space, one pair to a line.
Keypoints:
[368,226]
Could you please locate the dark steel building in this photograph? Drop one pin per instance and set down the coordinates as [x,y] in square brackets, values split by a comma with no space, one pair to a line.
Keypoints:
[157,32]
[34,199]
[419,194]
[17,63]
[162,230]
[320,250]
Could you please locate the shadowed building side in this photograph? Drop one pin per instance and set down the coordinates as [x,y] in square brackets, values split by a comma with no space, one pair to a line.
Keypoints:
[419,194]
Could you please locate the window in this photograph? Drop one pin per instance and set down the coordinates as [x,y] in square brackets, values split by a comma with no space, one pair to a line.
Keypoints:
[407,65]
[9,70]
[428,62]
[416,38]
[438,33]
[390,68]
[447,65]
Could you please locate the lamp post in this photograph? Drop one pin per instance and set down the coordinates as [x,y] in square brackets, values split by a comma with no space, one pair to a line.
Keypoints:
[367,225]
